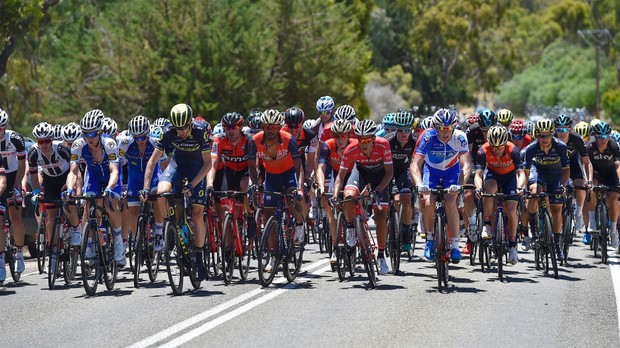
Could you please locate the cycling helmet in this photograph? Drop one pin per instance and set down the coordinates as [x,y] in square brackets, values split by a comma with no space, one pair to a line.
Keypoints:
[272,116]
[486,119]
[325,103]
[70,132]
[403,119]
[232,118]
[257,122]
[444,118]
[498,135]
[583,129]
[58,132]
[601,129]
[4,118]
[341,126]
[345,112]
[517,128]
[218,129]
[156,132]
[563,121]
[472,119]
[294,116]
[43,130]
[161,122]
[416,123]
[529,127]
[388,120]
[616,137]
[544,125]
[426,123]
[108,126]
[139,125]
[200,119]
[181,115]
[594,121]
[504,116]
[92,121]
[365,127]
[309,123]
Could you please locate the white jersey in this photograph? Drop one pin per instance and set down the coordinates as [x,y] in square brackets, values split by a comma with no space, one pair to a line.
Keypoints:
[12,149]
[55,165]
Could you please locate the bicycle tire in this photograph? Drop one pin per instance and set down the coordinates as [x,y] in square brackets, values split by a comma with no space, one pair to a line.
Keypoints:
[550,247]
[130,246]
[228,249]
[439,250]
[89,267]
[341,247]
[155,257]
[41,246]
[212,255]
[265,254]
[138,250]
[69,268]
[54,251]
[604,234]
[567,227]
[259,218]
[366,253]
[246,248]
[110,267]
[499,245]
[190,263]
[174,258]
[294,255]
[394,239]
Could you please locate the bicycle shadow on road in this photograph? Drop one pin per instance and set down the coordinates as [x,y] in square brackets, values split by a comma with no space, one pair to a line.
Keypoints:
[454,289]
[105,293]
[19,284]
[199,293]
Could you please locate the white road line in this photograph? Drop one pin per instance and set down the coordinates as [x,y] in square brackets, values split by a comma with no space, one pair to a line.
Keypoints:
[614,267]
[235,313]
[149,341]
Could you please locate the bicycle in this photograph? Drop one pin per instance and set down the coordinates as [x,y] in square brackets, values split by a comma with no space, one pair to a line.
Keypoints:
[442,241]
[143,249]
[394,225]
[346,255]
[40,237]
[544,244]
[100,264]
[602,222]
[568,217]
[478,247]
[179,244]
[60,248]
[11,249]
[235,241]
[212,248]
[280,228]
[325,238]
[499,239]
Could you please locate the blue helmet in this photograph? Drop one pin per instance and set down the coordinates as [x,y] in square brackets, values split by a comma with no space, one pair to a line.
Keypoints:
[444,118]
[487,118]
[388,120]
[325,103]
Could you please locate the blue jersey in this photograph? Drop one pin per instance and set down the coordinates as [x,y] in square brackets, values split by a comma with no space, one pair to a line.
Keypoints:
[187,151]
[550,163]
[439,155]
[129,153]
[109,154]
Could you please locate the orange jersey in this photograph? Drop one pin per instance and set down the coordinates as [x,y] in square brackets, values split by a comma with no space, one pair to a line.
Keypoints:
[505,164]
[329,154]
[286,153]
[233,157]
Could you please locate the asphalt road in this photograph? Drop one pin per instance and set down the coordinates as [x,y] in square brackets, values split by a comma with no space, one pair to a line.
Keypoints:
[529,309]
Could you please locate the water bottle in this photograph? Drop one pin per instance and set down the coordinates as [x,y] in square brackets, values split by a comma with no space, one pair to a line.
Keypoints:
[185,234]
[103,234]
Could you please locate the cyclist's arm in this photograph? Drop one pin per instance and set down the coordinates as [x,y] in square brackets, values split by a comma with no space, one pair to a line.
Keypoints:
[21,171]
[150,168]
[73,174]
[320,175]
[478,179]
[338,183]
[212,172]
[465,166]
[521,179]
[299,172]
[416,168]
[206,166]
[585,168]
[309,168]
[2,182]
[617,165]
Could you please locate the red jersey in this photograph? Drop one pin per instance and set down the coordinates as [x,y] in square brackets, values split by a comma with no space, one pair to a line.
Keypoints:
[505,164]
[330,154]
[233,157]
[381,155]
[286,153]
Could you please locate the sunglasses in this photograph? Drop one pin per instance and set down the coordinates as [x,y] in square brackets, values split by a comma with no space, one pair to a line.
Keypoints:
[562,130]
[271,127]
[182,128]
[44,141]
[293,126]
[140,137]
[404,130]
[445,128]
[365,140]
[324,113]
[341,135]
[517,137]
[90,134]
[231,126]
[544,136]
[602,137]
[497,147]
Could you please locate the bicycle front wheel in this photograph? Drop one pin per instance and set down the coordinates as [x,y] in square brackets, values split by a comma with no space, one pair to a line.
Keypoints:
[90,259]
[341,247]
[440,250]
[54,255]
[41,247]
[394,239]
[138,250]
[267,268]
[228,250]
[567,232]
[366,250]
[110,271]
[604,233]
[294,257]
[550,248]
[499,245]
[246,249]
[174,258]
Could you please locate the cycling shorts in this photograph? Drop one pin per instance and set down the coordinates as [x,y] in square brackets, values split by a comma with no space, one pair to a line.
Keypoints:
[135,183]
[609,179]
[403,182]
[278,183]
[506,183]
[432,176]
[53,187]
[357,182]
[175,173]
[575,168]
[96,184]
[550,183]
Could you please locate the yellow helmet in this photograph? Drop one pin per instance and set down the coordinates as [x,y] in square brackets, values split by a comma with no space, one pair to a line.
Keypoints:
[594,121]
[544,125]
[504,116]
[181,115]
[583,129]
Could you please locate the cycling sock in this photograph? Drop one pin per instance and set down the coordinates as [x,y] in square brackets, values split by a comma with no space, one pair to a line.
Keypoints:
[429,235]
[613,227]
[512,244]
[159,228]
[381,254]
[533,223]
[455,243]
[199,257]
[592,221]
[578,211]
[406,233]
[556,238]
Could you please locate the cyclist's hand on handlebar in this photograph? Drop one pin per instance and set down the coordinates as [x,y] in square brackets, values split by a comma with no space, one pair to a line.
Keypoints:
[478,193]
[423,188]
[188,188]
[454,188]
[107,192]
[143,195]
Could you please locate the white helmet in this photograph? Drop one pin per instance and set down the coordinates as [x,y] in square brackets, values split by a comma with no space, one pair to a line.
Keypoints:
[139,125]
[92,121]
[43,130]
[365,127]
[218,129]
[70,132]
[108,126]
[4,118]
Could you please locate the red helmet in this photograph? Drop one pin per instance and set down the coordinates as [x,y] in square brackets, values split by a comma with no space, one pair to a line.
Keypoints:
[472,119]
[517,128]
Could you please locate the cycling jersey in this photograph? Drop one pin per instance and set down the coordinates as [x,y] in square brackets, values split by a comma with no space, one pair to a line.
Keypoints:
[187,151]
[286,153]
[604,163]
[55,165]
[401,154]
[367,165]
[575,146]
[508,163]
[527,139]
[330,157]
[129,153]
[97,173]
[12,149]
[439,155]
[475,138]
[233,157]
[552,162]
[306,143]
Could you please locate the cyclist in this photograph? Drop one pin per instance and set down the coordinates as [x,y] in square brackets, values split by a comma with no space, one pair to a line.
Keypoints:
[330,159]
[547,168]
[190,149]
[579,163]
[13,151]
[498,166]
[135,149]
[519,138]
[70,133]
[278,153]
[101,157]
[583,130]
[229,165]
[505,117]
[345,112]
[388,125]
[109,127]
[605,170]
[48,163]
[371,160]
[402,144]
[325,107]
[529,128]
[438,154]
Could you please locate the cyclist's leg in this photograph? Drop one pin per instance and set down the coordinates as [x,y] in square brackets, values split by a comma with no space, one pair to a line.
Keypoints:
[17,225]
[469,206]
[508,184]
[427,205]
[611,198]
[490,187]
[576,175]
[219,184]
[404,184]
[354,185]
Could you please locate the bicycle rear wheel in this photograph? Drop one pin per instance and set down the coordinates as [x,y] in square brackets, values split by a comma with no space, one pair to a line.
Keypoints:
[90,259]
[138,251]
[366,252]
[70,262]
[154,257]
[228,249]
[550,248]
[265,253]
[260,227]
[246,248]
[394,239]
[340,248]
[604,232]
[174,258]
[54,255]
[212,252]
[111,269]
[294,256]
[567,234]
[41,247]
